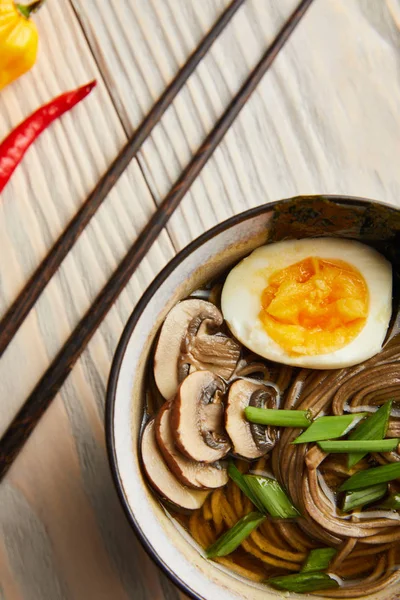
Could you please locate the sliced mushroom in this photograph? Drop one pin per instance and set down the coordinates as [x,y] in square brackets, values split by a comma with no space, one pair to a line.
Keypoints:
[267,397]
[216,353]
[189,342]
[197,418]
[189,472]
[249,440]
[161,478]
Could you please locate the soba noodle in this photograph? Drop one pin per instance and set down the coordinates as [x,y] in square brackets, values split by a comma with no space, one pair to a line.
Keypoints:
[368,544]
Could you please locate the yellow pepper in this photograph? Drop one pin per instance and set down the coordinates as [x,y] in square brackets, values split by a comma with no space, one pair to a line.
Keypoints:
[18,39]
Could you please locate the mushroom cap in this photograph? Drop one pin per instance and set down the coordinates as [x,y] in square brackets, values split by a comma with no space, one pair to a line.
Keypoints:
[189,472]
[247,441]
[161,478]
[197,418]
[186,343]
[236,424]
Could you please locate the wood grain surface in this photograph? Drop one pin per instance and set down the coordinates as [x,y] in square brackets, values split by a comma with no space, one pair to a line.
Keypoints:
[325,118]
[54,377]
[27,298]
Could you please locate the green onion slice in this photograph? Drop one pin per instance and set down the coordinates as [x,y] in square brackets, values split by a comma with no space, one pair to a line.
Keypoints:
[363,497]
[329,428]
[231,539]
[318,560]
[392,502]
[272,497]
[373,428]
[365,479]
[303,582]
[278,417]
[365,446]
[240,481]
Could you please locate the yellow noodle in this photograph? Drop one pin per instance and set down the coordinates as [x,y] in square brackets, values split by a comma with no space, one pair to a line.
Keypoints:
[247,506]
[267,558]
[196,531]
[216,510]
[240,570]
[269,548]
[269,530]
[228,514]
[237,500]
[230,497]
[208,535]
[206,510]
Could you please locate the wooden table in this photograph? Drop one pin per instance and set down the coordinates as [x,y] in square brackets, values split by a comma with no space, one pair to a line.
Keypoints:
[326,118]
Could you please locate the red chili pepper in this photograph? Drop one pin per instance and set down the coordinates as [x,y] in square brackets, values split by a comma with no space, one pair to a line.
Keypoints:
[13,148]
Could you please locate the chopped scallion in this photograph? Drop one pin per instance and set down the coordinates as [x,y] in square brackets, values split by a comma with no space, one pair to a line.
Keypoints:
[365,479]
[231,539]
[278,417]
[363,497]
[373,428]
[318,560]
[329,428]
[272,497]
[392,502]
[344,446]
[303,582]
[240,481]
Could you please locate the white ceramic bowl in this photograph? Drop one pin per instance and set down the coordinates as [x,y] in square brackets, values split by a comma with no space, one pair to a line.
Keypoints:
[221,247]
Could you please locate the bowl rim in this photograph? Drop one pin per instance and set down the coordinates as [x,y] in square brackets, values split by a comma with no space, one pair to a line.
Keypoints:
[130,326]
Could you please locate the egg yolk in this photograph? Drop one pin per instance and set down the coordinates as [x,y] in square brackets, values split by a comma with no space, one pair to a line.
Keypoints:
[315,306]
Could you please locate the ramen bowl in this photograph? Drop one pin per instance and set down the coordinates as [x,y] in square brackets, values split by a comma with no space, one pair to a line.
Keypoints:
[170,546]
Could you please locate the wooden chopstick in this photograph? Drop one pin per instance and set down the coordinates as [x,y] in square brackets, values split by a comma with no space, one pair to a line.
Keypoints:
[26,299]
[51,382]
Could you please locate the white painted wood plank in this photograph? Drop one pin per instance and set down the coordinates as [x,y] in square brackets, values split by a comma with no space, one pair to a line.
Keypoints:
[144,68]
[62,532]
[45,192]
[322,120]
[325,119]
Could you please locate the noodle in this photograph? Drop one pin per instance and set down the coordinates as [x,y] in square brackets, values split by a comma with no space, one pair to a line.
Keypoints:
[342,554]
[294,536]
[269,548]
[309,474]
[206,509]
[344,390]
[216,501]
[368,545]
[249,573]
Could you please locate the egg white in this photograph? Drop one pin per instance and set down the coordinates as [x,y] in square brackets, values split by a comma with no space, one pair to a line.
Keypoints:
[242,291]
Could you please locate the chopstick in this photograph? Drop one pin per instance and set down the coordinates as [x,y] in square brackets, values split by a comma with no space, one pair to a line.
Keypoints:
[52,380]
[26,299]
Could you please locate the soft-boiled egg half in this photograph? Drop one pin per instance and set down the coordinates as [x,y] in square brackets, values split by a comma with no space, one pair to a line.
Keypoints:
[322,303]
